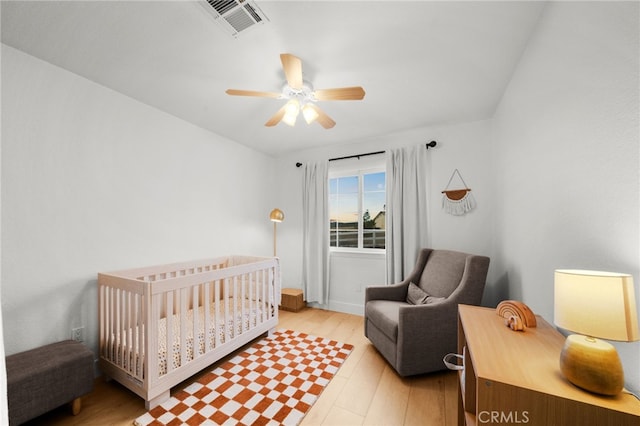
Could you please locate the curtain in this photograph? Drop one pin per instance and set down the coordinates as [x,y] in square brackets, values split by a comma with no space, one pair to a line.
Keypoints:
[315,237]
[406,210]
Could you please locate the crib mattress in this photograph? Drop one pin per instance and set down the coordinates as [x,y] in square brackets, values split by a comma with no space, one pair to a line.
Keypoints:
[225,326]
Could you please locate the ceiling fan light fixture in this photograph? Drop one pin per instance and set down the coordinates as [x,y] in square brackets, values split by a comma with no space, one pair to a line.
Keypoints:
[291,111]
[309,113]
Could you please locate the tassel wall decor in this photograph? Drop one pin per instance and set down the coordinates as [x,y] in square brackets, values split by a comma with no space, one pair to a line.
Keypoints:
[457,201]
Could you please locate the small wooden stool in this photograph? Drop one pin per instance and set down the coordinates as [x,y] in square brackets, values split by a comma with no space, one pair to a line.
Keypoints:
[292,299]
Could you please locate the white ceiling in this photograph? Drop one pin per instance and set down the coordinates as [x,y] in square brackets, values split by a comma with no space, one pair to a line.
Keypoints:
[421,63]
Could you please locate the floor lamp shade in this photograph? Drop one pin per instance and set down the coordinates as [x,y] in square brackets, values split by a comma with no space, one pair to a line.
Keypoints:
[275,216]
[595,305]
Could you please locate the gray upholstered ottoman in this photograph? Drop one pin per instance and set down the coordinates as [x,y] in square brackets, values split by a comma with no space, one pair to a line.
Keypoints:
[44,378]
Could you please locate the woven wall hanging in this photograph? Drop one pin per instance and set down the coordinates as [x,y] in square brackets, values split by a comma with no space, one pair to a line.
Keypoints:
[457,201]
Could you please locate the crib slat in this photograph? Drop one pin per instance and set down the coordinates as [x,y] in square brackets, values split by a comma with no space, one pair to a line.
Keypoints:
[104,321]
[118,342]
[109,319]
[133,344]
[169,333]
[252,311]
[234,301]
[114,329]
[267,294]
[265,289]
[152,366]
[257,296]
[128,332]
[101,312]
[207,318]
[134,334]
[225,298]
[131,355]
[125,330]
[183,325]
[116,313]
[142,331]
[124,342]
[262,298]
[195,306]
[243,283]
[216,312]
[271,294]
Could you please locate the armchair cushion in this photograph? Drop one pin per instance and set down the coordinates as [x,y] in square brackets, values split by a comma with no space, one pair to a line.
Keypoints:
[417,296]
[385,314]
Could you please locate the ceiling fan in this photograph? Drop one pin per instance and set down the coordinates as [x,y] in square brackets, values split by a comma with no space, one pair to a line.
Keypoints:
[301,96]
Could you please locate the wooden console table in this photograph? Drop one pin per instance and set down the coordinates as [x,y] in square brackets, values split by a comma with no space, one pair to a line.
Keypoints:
[513,377]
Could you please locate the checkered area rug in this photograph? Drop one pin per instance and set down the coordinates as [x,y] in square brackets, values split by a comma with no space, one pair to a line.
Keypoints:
[273,382]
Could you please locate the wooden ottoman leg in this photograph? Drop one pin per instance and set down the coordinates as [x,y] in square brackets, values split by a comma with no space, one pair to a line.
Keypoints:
[76,406]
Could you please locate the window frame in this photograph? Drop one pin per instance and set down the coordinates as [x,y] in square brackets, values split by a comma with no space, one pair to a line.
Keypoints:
[359,172]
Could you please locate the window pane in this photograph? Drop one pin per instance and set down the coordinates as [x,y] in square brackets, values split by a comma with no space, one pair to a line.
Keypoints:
[374,182]
[373,218]
[346,185]
[343,211]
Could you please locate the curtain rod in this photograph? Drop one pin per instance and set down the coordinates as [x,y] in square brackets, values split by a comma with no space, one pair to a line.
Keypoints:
[428,145]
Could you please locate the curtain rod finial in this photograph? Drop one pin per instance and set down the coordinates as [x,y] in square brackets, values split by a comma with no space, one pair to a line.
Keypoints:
[298,164]
[431,144]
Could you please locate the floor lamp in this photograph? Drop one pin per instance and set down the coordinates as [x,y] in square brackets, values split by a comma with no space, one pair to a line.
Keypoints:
[276,216]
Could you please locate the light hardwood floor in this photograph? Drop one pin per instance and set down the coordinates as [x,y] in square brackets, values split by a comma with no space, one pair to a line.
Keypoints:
[366,390]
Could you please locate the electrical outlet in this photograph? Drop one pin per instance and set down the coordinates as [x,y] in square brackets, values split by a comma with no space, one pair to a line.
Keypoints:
[77,334]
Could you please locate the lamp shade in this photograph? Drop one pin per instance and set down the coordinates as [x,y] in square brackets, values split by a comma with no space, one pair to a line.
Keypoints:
[276,215]
[596,304]
[309,113]
[292,109]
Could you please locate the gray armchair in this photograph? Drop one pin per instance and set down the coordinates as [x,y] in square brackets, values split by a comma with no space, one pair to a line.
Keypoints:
[415,337]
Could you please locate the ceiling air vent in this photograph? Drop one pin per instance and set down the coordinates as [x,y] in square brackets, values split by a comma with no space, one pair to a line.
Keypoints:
[235,16]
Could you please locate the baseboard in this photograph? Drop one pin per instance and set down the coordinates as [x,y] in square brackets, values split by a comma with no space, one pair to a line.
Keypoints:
[347,308]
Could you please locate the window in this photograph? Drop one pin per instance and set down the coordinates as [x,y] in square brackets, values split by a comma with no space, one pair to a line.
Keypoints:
[357,210]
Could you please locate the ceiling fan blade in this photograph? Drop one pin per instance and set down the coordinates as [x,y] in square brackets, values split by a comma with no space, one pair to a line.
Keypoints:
[275,119]
[324,120]
[236,92]
[292,66]
[341,94]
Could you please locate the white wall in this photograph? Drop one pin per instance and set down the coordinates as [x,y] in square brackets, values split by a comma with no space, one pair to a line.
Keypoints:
[465,147]
[94,181]
[567,156]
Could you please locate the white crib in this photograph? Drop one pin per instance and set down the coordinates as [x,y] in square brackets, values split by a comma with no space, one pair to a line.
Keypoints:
[159,325]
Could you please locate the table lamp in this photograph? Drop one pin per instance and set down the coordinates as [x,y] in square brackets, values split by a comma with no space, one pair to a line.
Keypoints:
[276,216]
[596,305]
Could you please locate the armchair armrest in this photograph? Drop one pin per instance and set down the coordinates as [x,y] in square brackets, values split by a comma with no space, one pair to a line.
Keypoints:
[397,292]
[417,317]
[427,327]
